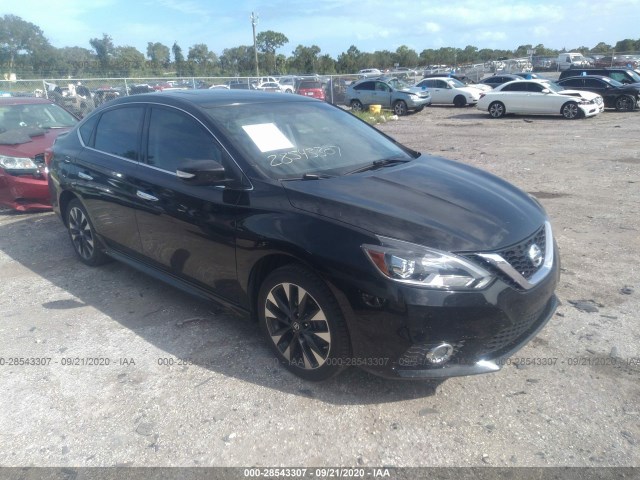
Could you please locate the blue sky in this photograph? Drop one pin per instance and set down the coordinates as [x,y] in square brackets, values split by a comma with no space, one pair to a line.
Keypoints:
[334,25]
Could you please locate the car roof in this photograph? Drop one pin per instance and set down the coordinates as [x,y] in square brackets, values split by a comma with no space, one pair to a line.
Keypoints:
[210,98]
[23,100]
[601,77]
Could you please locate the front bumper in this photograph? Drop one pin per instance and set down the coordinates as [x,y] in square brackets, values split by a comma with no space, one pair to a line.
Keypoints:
[393,331]
[24,192]
[418,102]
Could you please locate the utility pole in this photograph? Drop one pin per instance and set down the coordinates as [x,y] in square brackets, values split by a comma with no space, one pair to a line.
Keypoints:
[254,21]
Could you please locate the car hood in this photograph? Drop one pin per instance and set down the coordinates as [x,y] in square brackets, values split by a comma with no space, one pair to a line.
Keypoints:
[429,201]
[28,141]
[422,92]
[579,93]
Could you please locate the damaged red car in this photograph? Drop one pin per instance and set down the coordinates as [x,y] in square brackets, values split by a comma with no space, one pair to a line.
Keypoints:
[28,126]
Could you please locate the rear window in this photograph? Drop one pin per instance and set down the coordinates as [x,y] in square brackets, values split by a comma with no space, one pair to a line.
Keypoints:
[310,85]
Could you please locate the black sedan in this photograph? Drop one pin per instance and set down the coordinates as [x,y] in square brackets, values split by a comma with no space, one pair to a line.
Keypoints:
[615,94]
[500,78]
[345,246]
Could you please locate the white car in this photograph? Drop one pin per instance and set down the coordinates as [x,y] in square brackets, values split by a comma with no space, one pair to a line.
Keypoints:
[449,91]
[269,87]
[535,97]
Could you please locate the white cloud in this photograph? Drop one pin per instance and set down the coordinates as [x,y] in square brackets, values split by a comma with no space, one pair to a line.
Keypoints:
[432,27]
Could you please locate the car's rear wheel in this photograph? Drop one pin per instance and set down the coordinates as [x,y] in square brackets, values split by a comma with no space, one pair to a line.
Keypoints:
[400,108]
[497,110]
[303,323]
[459,101]
[570,110]
[356,105]
[625,103]
[82,235]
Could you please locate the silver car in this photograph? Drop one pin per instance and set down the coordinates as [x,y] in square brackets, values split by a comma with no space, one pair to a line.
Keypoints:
[389,93]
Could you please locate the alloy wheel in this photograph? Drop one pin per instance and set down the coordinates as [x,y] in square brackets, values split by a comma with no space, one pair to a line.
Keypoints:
[297,326]
[81,233]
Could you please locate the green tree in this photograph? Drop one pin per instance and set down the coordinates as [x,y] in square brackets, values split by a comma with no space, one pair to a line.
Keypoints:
[159,56]
[267,43]
[602,48]
[128,61]
[627,45]
[349,61]
[201,60]
[237,61]
[305,59]
[178,58]
[104,51]
[404,57]
[18,37]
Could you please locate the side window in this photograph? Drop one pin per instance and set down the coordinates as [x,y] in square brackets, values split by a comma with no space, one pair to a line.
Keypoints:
[621,77]
[175,137]
[381,87]
[593,83]
[86,129]
[441,84]
[515,87]
[534,87]
[118,132]
[365,86]
[431,84]
[574,82]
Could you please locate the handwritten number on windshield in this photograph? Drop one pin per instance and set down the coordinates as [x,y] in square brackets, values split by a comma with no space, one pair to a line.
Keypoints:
[291,156]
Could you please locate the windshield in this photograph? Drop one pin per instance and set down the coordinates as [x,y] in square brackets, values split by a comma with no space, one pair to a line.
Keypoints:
[397,83]
[634,75]
[613,82]
[290,139]
[456,83]
[40,115]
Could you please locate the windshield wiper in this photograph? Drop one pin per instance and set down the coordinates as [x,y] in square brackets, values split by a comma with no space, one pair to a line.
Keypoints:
[379,164]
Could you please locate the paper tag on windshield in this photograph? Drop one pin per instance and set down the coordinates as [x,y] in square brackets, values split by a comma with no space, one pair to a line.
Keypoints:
[267,137]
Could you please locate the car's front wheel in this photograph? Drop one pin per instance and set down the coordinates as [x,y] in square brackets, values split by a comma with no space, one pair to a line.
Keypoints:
[400,108]
[625,103]
[497,110]
[570,110]
[82,235]
[459,101]
[303,323]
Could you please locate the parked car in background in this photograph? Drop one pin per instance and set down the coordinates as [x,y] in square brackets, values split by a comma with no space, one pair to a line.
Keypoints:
[449,91]
[468,82]
[28,126]
[370,72]
[571,60]
[75,98]
[104,94]
[615,94]
[345,246]
[532,76]
[617,61]
[241,86]
[533,97]
[622,75]
[269,87]
[311,88]
[499,78]
[389,93]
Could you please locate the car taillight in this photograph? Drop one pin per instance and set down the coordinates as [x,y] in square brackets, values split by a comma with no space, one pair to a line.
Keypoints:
[48,156]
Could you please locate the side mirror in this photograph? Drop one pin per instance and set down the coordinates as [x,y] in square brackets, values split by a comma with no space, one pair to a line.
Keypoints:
[202,172]
[546,90]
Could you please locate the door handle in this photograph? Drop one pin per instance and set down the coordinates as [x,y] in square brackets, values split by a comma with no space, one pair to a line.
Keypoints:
[84,176]
[146,196]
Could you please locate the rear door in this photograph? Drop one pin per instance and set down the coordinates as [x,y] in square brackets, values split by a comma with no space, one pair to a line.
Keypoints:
[105,173]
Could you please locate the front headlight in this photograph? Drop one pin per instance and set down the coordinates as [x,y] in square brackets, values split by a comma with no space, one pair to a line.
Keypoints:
[17,163]
[422,266]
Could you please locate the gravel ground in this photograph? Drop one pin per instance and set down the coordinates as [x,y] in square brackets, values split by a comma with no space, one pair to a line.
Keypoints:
[235,407]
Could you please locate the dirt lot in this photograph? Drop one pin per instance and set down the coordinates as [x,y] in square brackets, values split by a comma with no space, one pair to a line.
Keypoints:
[237,408]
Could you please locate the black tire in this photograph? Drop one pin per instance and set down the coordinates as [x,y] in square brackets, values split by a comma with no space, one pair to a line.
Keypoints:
[571,111]
[82,234]
[356,105]
[497,110]
[303,323]
[625,103]
[459,101]
[400,108]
